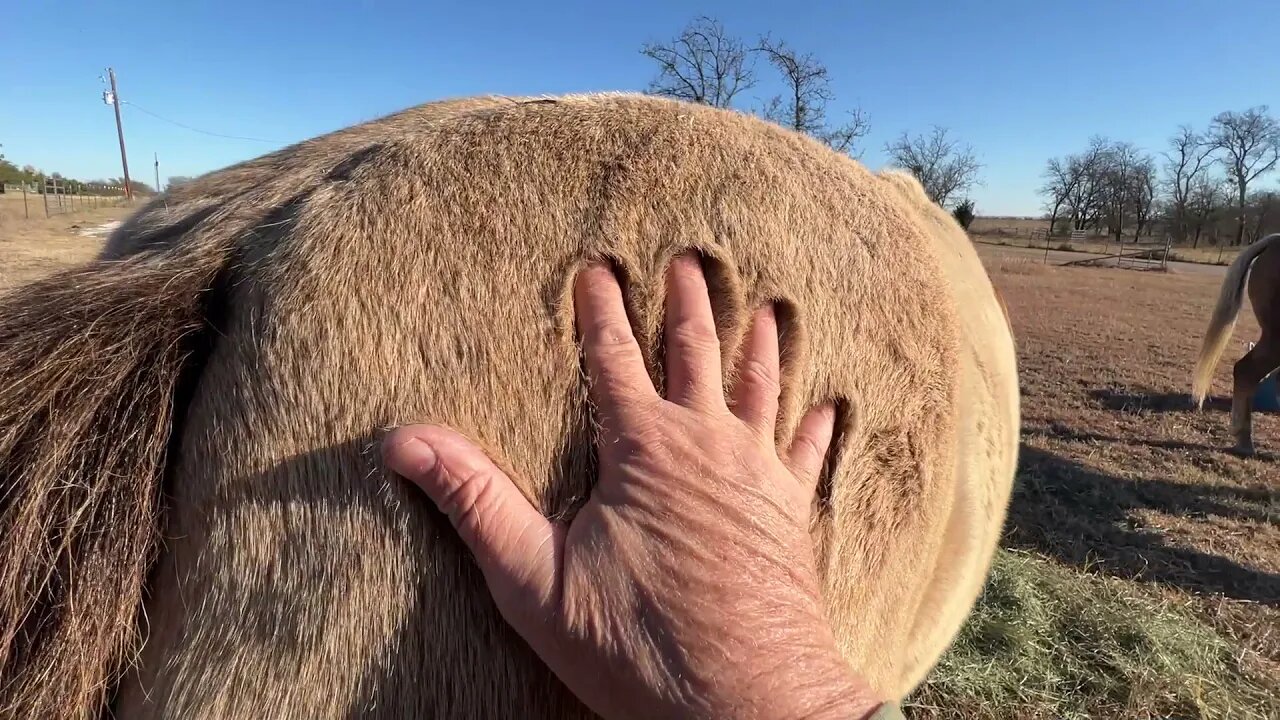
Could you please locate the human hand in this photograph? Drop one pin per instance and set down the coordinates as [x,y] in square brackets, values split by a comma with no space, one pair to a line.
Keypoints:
[686,585]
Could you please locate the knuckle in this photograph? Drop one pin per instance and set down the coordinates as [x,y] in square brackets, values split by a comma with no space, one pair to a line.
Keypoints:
[757,374]
[694,336]
[635,415]
[610,333]
[465,502]
[807,450]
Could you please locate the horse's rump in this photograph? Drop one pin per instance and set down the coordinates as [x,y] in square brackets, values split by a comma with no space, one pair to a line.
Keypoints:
[417,268]
[1230,299]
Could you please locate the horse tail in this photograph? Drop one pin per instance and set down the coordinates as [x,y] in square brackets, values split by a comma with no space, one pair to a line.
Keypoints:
[91,362]
[1223,321]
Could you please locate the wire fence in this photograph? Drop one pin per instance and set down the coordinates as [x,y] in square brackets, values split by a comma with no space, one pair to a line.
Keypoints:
[55,196]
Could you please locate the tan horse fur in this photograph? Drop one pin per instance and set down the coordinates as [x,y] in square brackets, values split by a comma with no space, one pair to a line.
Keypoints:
[194,519]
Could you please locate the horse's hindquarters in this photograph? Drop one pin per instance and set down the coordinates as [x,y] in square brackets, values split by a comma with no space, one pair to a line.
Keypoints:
[299,579]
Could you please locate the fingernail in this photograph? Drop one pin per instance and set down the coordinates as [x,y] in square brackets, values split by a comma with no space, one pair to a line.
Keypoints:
[413,459]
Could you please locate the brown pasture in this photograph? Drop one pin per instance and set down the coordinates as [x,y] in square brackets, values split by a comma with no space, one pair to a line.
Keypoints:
[1012,225]
[1017,232]
[35,246]
[1119,473]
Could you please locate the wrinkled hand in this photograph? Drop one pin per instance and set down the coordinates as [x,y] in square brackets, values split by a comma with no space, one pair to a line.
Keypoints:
[685,587]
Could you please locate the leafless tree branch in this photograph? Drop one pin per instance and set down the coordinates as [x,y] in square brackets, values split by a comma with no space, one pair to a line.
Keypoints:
[1186,159]
[804,105]
[1248,144]
[703,65]
[945,168]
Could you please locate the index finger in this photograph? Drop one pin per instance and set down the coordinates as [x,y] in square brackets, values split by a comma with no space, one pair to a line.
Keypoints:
[614,362]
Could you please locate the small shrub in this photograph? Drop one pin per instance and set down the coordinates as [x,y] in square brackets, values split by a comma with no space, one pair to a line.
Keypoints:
[964,214]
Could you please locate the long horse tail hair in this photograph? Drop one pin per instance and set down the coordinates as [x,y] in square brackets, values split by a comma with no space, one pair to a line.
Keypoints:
[90,362]
[1223,321]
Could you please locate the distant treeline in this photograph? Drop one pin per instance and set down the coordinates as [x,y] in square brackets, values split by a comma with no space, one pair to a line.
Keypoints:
[35,180]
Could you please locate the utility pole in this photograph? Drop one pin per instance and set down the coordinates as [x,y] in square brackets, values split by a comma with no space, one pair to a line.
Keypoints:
[124,158]
[157,156]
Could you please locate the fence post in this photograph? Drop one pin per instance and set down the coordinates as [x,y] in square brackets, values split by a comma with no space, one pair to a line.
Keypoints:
[26,214]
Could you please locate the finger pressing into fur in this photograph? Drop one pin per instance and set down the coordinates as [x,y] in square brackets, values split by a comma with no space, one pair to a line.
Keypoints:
[755,394]
[514,545]
[808,450]
[692,359]
[614,361]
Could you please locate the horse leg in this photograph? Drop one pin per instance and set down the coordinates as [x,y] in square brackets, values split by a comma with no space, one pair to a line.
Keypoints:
[1248,373]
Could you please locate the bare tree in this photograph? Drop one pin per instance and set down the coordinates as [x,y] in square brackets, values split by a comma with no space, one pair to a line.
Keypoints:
[1066,183]
[1187,157]
[1115,185]
[844,138]
[1059,180]
[804,106]
[944,167]
[1203,204]
[1127,186]
[1144,185]
[1264,212]
[1085,200]
[1249,145]
[703,65]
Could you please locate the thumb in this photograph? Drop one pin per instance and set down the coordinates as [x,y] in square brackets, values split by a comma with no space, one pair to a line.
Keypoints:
[516,547]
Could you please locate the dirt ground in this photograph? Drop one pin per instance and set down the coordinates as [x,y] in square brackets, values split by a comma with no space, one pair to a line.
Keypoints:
[1119,474]
[32,247]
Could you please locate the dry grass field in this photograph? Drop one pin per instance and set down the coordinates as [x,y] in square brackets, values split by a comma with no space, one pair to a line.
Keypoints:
[31,248]
[983,225]
[1140,575]
[1141,570]
[1017,232]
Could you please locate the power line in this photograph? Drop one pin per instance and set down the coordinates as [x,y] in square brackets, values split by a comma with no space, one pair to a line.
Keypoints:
[138,107]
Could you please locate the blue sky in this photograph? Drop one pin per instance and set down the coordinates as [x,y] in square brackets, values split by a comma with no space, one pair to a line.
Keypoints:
[1019,81]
